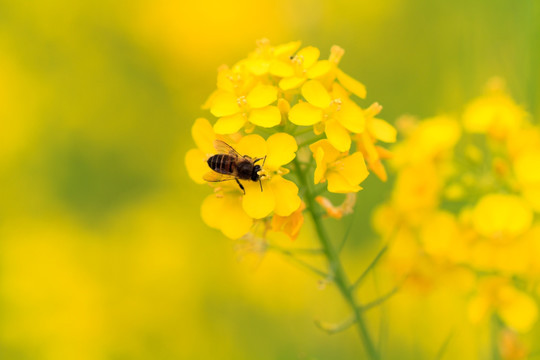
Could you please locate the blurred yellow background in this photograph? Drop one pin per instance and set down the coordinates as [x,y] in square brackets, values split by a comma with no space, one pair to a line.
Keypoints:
[103,254]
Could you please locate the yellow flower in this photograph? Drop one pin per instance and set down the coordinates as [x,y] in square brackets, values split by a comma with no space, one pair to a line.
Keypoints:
[431,140]
[527,171]
[495,114]
[244,100]
[302,66]
[273,60]
[501,217]
[224,211]
[279,195]
[343,172]
[517,309]
[291,224]
[377,129]
[339,114]
[204,136]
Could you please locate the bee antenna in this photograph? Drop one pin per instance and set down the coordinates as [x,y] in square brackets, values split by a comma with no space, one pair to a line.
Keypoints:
[264,160]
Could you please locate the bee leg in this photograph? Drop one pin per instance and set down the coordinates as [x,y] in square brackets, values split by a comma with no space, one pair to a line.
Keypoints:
[260,183]
[241,186]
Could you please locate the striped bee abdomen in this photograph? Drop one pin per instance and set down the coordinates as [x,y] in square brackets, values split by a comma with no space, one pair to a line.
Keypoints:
[222,163]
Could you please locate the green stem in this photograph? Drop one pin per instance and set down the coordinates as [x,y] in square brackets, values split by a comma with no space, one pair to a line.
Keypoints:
[336,271]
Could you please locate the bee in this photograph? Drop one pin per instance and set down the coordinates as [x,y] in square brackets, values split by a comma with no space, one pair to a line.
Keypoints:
[228,164]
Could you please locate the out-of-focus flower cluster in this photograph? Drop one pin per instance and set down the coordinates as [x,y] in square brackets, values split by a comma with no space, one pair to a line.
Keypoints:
[283,103]
[464,208]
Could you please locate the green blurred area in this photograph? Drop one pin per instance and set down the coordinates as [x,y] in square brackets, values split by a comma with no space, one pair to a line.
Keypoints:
[103,254]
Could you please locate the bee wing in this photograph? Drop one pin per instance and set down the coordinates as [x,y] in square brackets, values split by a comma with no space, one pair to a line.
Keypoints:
[213,176]
[223,148]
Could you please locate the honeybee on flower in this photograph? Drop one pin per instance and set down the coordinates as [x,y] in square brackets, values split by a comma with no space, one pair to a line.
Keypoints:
[284,121]
[264,108]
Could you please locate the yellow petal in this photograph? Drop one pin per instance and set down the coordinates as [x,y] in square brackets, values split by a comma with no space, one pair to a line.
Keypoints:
[256,203]
[320,68]
[291,82]
[258,67]
[532,195]
[353,85]
[226,214]
[252,145]
[519,311]
[229,124]
[330,152]
[527,167]
[281,150]
[382,130]
[203,134]
[286,50]
[283,106]
[305,114]
[339,184]
[498,215]
[309,56]
[321,168]
[281,69]
[365,143]
[315,94]
[224,104]
[262,95]
[196,165]
[478,308]
[353,168]
[265,117]
[351,117]
[338,135]
[286,196]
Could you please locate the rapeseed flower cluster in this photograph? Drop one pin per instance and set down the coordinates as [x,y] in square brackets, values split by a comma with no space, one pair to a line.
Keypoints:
[299,116]
[465,208]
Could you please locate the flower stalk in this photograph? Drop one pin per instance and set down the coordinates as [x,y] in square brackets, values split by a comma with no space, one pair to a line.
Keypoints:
[336,270]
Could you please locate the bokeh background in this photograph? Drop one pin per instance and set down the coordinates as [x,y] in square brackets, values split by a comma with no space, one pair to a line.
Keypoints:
[103,254]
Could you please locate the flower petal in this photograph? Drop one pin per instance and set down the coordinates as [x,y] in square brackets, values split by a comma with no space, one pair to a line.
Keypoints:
[498,215]
[281,69]
[226,213]
[224,104]
[337,135]
[265,117]
[229,124]
[305,114]
[252,145]
[353,168]
[382,130]
[321,168]
[286,196]
[261,96]
[258,67]
[330,152]
[315,94]
[256,203]
[309,56]
[196,165]
[519,311]
[351,117]
[339,184]
[286,49]
[281,150]
[320,68]
[203,134]
[353,85]
[526,167]
[291,83]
